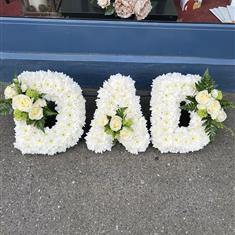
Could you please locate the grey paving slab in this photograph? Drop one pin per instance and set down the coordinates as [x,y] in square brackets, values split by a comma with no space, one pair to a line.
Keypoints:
[79,192]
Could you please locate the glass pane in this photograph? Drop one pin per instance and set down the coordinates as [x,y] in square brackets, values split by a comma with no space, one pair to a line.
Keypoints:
[193,11]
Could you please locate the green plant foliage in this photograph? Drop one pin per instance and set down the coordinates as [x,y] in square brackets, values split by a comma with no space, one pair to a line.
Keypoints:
[227,104]
[49,112]
[5,107]
[192,105]
[206,83]
[212,127]
[110,10]
[121,112]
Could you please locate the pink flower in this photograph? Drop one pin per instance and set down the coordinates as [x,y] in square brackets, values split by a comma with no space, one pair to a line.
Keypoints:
[142,9]
[103,3]
[124,8]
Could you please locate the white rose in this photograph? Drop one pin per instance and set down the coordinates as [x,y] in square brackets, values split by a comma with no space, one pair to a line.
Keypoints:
[213,108]
[23,87]
[22,103]
[221,117]
[10,92]
[40,103]
[103,3]
[217,94]
[103,121]
[116,123]
[36,113]
[125,133]
[203,97]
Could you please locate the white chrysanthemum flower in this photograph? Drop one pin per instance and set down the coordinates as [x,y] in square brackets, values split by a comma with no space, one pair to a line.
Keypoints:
[119,91]
[70,105]
[168,91]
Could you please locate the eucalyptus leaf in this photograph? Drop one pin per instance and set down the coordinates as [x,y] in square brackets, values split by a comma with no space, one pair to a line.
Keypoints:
[110,10]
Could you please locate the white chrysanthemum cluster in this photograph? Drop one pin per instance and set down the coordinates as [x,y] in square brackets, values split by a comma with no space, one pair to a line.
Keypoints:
[118,91]
[168,91]
[70,119]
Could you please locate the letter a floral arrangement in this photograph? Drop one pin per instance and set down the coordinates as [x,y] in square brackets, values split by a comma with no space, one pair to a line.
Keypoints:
[49,113]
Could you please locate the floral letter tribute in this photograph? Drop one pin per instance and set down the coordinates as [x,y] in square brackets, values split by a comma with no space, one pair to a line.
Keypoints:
[48,109]
[168,92]
[118,118]
[174,93]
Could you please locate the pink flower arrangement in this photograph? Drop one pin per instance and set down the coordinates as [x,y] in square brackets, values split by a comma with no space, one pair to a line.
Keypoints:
[126,8]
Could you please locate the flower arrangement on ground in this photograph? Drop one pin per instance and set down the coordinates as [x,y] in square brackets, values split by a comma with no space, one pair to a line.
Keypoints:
[118,117]
[126,8]
[168,93]
[171,95]
[48,110]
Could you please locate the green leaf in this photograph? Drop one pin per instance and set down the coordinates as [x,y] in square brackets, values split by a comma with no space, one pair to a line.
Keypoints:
[206,83]
[110,10]
[48,112]
[191,98]
[190,106]
[40,124]
[127,123]
[107,129]
[227,104]
[211,127]
[121,112]
[5,107]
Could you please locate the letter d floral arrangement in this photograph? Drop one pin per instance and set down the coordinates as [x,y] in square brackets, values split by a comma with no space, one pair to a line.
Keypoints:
[26,104]
[125,8]
[48,110]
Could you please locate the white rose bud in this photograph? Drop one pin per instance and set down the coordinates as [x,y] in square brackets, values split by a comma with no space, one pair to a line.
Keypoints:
[103,121]
[36,113]
[40,103]
[10,92]
[203,97]
[221,117]
[103,3]
[213,108]
[22,103]
[125,133]
[116,123]
[217,94]
[23,87]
